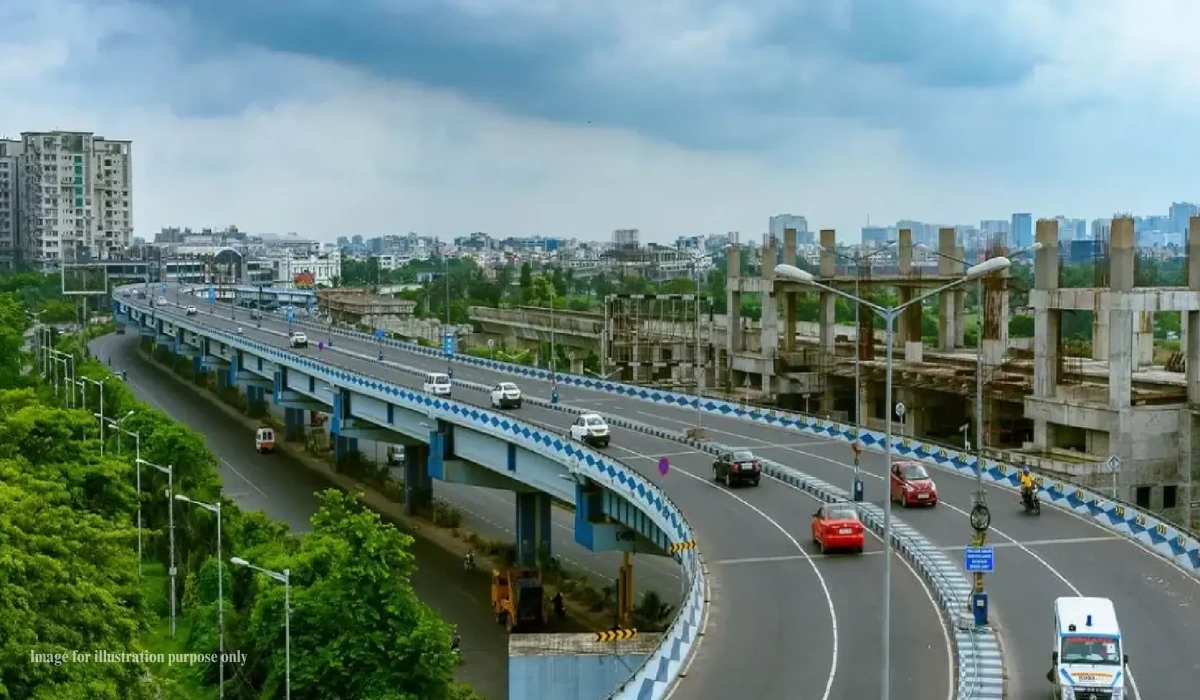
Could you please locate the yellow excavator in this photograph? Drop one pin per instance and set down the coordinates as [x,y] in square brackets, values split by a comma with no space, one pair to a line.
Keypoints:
[517,599]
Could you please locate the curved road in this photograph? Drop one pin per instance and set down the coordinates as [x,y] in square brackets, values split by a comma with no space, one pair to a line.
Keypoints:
[784,621]
[1037,559]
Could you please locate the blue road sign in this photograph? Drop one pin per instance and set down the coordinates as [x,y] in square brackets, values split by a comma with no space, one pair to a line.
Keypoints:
[291,314]
[379,333]
[448,344]
[164,287]
[980,560]
[212,294]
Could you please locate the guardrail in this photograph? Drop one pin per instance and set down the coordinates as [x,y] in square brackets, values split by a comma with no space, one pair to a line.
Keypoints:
[659,673]
[1156,534]
[977,651]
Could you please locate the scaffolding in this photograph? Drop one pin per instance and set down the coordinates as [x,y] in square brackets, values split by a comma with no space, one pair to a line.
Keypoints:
[663,339]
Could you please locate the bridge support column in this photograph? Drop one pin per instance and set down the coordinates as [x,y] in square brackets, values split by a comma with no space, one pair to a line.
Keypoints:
[625,593]
[418,486]
[197,366]
[343,447]
[293,423]
[533,529]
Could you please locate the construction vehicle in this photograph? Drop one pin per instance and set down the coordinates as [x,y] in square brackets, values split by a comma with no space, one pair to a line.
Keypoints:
[517,599]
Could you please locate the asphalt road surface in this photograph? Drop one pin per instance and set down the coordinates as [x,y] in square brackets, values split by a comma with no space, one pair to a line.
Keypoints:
[785,621]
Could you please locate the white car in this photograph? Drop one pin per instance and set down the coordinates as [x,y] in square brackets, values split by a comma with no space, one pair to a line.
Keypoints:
[298,340]
[436,383]
[506,395]
[191,311]
[590,429]
[162,301]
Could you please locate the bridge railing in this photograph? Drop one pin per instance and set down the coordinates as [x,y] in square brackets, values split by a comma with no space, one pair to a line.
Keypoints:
[660,671]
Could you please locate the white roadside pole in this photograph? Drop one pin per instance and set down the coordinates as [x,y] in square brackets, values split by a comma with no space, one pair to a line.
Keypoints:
[791,273]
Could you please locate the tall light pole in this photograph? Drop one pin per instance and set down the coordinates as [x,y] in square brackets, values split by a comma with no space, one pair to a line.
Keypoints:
[698,368]
[169,470]
[858,261]
[284,577]
[980,491]
[794,274]
[446,276]
[100,387]
[216,508]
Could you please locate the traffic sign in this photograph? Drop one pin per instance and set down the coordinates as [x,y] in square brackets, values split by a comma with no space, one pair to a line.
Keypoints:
[1113,464]
[379,333]
[448,344]
[212,294]
[900,409]
[980,560]
[663,466]
[164,287]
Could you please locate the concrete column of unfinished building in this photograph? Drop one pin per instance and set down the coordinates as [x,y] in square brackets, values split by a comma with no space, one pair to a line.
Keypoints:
[1189,434]
[770,318]
[948,266]
[789,302]
[960,303]
[993,317]
[908,326]
[827,312]
[1047,324]
[733,301]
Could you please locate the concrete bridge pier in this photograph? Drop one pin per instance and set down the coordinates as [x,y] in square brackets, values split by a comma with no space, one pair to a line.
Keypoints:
[533,529]
[343,447]
[418,484]
[293,423]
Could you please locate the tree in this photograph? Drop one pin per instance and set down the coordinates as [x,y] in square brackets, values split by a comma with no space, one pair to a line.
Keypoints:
[367,634]
[526,280]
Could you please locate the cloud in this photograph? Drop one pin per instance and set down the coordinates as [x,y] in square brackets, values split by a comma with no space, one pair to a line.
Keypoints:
[569,118]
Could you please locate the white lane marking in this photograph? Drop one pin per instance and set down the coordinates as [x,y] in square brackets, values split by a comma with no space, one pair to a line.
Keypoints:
[950,658]
[957,548]
[243,478]
[816,570]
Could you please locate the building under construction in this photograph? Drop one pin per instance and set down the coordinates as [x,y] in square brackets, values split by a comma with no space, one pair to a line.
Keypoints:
[1064,406]
[660,339]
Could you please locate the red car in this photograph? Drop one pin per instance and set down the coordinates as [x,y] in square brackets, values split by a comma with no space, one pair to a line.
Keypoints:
[911,485]
[835,526]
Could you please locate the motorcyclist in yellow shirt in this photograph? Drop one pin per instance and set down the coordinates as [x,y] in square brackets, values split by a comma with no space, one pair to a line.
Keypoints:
[1027,484]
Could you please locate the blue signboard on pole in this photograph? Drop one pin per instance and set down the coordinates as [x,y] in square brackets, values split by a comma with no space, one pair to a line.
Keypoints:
[291,314]
[212,294]
[164,287]
[980,560]
[448,344]
[379,333]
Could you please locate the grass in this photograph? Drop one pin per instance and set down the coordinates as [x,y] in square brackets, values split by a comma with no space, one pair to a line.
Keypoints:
[185,679]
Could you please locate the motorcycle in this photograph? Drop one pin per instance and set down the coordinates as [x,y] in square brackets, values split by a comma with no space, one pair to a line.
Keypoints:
[469,562]
[1031,502]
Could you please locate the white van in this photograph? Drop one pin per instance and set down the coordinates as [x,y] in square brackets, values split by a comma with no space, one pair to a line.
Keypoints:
[437,383]
[1087,659]
[264,440]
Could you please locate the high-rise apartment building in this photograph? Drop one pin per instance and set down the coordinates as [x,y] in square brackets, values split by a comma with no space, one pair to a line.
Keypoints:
[74,197]
[1021,231]
[9,167]
[1180,213]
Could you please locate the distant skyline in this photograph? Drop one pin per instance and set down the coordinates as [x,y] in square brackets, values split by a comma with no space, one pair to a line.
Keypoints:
[574,119]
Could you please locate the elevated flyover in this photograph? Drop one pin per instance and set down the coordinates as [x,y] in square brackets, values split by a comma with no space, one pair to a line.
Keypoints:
[443,439]
[784,620]
[1086,545]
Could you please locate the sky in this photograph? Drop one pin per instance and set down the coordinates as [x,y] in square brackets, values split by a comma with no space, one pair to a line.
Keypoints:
[573,118]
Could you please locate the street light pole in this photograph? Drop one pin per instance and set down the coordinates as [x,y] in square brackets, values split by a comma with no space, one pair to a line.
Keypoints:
[100,386]
[220,587]
[795,274]
[169,470]
[284,577]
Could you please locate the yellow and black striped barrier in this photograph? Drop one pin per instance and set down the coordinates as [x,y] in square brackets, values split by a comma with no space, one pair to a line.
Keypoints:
[681,546]
[615,635]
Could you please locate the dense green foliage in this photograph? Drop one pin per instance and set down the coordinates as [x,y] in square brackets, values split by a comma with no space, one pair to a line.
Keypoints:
[69,575]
